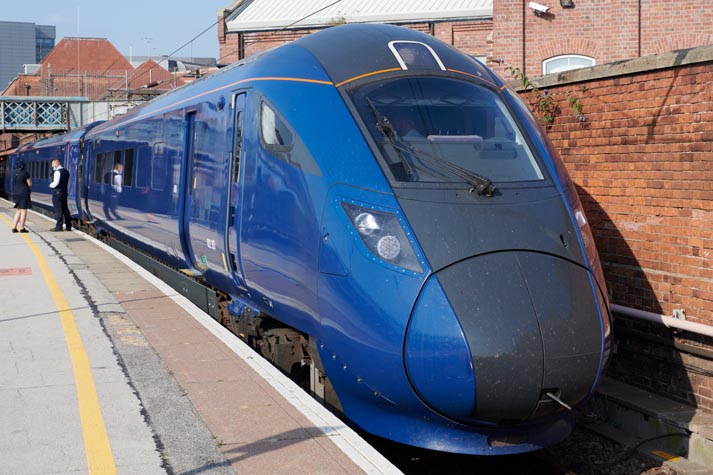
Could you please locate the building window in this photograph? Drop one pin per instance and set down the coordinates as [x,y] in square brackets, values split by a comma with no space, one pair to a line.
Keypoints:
[566,63]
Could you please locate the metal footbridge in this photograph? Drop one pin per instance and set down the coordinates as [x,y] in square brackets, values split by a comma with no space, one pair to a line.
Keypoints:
[37,114]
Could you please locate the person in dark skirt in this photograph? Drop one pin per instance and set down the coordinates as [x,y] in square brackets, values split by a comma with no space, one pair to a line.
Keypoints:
[21,192]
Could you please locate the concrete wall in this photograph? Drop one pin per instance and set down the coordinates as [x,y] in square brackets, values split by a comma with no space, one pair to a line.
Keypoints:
[643,163]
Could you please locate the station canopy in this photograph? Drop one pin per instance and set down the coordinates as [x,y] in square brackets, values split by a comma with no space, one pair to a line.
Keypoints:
[270,15]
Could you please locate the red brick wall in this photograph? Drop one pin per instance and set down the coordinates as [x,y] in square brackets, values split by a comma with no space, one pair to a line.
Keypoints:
[643,164]
[469,36]
[643,160]
[606,30]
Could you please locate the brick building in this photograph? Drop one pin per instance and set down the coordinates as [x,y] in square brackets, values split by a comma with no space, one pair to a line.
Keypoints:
[593,32]
[249,26]
[570,34]
[93,68]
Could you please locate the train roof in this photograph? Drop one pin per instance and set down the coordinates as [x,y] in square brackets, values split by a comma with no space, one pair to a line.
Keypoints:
[352,51]
[58,139]
[334,56]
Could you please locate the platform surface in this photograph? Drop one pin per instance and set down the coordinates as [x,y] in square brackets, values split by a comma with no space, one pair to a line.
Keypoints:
[104,369]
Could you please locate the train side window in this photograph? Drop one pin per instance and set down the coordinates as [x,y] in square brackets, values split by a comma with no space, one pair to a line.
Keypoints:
[276,136]
[45,169]
[280,139]
[128,166]
[143,163]
[106,168]
[98,168]
[238,146]
[158,167]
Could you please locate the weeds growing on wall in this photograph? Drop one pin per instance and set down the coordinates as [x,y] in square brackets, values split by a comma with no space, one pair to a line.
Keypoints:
[544,105]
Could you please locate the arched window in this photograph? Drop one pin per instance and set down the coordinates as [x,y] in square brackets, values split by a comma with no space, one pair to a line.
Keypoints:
[566,62]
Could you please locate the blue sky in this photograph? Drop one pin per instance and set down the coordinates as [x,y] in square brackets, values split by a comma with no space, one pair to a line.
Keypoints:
[141,28]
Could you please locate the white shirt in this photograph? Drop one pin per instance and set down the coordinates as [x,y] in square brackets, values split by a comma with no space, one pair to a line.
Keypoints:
[55,177]
[117,181]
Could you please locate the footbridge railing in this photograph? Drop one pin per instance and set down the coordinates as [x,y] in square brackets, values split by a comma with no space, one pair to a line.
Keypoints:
[37,114]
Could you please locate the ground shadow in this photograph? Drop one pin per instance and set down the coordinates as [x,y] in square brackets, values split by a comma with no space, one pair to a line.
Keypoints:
[650,356]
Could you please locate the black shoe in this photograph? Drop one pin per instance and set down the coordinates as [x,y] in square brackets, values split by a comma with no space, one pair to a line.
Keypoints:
[14,230]
[56,229]
[68,229]
[23,230]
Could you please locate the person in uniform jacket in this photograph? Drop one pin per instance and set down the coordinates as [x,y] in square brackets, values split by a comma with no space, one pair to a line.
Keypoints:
[60,180]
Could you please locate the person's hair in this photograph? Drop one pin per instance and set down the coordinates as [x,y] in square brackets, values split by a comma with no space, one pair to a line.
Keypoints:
[20,165]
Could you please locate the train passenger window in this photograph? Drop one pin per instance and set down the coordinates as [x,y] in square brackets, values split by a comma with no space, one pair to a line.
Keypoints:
[98,168]
[238,143]
[128,166]
[159,170]
[106,168]
[280,139]
[46,170]
[143,161]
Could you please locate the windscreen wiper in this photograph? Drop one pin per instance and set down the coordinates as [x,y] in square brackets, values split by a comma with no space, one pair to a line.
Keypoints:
[482,185]
[385,127]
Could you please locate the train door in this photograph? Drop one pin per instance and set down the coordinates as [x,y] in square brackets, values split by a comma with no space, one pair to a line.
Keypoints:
[233,219]
[204,192]
[189,182]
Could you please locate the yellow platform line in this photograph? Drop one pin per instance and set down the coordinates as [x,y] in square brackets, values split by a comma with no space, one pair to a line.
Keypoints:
[96,442]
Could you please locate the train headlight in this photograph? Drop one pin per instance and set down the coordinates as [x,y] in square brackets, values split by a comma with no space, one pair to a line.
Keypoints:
[366,224]
[383,235]
[388,248]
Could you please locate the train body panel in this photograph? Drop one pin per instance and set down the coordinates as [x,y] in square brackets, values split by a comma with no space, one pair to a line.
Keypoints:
[387,197]
[37,157]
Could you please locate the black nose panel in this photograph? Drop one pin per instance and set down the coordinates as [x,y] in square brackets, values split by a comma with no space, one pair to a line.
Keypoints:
[531,323]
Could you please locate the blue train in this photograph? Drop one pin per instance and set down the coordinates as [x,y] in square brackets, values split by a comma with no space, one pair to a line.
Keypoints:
[384,216]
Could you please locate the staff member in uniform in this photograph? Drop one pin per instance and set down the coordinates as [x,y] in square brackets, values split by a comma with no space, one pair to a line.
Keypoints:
[21,191]
[60,180]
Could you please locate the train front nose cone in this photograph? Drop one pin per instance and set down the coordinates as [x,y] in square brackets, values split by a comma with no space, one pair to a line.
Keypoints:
[531,325]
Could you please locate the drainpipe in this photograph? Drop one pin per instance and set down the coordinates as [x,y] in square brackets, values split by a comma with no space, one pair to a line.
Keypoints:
[668,322]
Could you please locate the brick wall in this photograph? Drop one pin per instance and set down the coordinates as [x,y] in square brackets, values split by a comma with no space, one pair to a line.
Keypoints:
[606,30]
[643,164]
[473,37]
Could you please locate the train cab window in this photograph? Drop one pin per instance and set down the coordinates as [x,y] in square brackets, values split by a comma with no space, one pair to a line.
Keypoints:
[435,129]
[275,134]
[415,55]
[279,138]
[128,176]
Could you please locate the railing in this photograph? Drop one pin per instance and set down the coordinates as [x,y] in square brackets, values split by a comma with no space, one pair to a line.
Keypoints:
[33,114]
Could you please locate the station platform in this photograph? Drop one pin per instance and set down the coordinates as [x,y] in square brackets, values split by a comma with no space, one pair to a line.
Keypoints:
[105,369]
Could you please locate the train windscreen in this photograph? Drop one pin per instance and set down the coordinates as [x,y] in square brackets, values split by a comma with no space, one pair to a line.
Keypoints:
[435,129]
